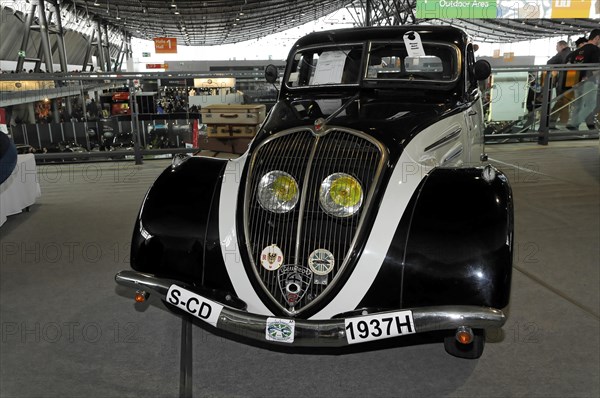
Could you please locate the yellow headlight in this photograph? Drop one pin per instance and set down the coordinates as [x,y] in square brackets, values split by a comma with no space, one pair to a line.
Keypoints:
[345,191]
[285,188]
[341,195]
[277,191]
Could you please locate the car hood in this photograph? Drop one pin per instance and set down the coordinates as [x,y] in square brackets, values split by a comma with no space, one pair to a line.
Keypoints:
[392,122]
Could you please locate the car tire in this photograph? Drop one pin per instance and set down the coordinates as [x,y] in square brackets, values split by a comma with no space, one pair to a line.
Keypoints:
[472,350]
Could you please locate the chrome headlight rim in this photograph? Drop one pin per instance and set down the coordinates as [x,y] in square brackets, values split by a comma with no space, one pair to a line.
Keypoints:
[328,204]
[267,196]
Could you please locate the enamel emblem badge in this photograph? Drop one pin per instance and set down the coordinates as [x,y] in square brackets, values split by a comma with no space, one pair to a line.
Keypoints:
[271,258]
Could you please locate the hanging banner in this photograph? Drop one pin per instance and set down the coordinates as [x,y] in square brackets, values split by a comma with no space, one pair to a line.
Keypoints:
[466,9]
[508,9]
[157,66]
[165,45]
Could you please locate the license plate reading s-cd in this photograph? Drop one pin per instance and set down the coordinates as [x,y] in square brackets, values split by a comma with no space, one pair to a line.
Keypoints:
[381,326]
[201,307]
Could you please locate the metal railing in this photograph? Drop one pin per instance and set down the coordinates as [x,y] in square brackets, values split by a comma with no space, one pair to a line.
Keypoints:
[539,102]
[521,106]
[128,129]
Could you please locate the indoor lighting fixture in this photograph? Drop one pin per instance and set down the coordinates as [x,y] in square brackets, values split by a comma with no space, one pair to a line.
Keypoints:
[96,3]
[118,17]
[173,4]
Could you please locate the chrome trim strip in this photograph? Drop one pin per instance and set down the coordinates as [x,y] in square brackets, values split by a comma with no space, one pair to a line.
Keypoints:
[453,154]
[303,196]
[327,332]
[453,135]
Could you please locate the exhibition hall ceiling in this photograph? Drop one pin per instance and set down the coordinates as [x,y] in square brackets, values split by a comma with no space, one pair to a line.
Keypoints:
[215,22]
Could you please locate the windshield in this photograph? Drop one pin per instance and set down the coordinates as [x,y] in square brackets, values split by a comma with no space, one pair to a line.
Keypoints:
[339,65]
[391,61]
[343,65]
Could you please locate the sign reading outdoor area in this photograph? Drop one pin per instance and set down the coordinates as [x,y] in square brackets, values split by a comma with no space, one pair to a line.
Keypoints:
[508,9]
[157,66]
[164,45]
[145,55]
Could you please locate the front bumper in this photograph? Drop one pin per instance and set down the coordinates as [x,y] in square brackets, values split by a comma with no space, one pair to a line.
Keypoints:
[308,333]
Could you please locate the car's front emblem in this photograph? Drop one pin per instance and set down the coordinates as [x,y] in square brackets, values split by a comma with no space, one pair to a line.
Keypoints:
[271,258]
[321,261]
[293,282]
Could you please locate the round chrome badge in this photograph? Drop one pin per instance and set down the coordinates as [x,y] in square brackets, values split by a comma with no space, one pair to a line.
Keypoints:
[321,261]
[271,258]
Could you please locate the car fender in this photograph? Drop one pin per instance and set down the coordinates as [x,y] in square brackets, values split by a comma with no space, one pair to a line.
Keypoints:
[454,244]
[176,231]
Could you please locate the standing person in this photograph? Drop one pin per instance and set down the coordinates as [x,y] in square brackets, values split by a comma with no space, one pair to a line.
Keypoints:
[93,109]
[585,95]
[562,52]
[560,110]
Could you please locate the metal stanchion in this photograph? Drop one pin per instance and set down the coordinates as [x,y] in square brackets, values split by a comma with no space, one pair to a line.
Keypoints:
[135,128]
[544,130]
[185,362]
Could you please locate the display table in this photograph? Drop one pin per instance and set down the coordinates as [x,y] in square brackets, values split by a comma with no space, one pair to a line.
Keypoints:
[21,189]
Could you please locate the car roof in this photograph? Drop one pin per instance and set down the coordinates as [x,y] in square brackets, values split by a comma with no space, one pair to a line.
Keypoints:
[427,32]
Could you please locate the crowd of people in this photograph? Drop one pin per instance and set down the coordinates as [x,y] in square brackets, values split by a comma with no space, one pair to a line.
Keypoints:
[578,93]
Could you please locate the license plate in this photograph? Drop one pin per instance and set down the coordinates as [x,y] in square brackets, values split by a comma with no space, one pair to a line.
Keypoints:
[380,326]
[192,303]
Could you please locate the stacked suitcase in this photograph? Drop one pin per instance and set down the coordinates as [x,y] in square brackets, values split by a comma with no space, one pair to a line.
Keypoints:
[232,121]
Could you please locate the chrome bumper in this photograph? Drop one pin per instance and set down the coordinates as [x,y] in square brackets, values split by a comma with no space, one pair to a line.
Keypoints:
[320,333]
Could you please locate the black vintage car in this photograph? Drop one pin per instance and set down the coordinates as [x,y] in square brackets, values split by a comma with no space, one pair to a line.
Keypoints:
[362,210]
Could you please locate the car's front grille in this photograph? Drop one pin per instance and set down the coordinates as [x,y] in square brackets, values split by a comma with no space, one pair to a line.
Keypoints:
[309,159]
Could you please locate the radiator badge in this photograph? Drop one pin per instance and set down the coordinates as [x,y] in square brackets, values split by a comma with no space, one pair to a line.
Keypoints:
[321,261]
[271,258]
[294,280]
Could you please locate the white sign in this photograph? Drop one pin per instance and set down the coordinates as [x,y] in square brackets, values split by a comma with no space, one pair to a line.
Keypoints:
[413,44]
[329,68]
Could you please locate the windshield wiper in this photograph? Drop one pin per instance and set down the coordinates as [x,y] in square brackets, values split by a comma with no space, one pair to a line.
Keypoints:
[341,108]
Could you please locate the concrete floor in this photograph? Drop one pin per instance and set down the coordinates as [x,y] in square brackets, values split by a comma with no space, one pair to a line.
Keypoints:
[68,331]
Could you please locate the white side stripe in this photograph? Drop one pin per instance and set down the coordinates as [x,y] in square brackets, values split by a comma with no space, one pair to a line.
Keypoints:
[229,240]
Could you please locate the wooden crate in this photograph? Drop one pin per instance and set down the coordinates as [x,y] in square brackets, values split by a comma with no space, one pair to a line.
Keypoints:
[231,130]
[233,114]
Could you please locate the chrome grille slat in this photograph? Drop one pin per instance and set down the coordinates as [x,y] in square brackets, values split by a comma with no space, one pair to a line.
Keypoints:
[309,158]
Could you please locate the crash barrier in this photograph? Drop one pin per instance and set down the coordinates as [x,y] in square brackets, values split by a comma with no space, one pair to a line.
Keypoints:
[104,134]
[532,104]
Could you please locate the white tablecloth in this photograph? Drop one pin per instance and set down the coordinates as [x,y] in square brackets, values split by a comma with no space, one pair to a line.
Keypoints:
[21,189]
